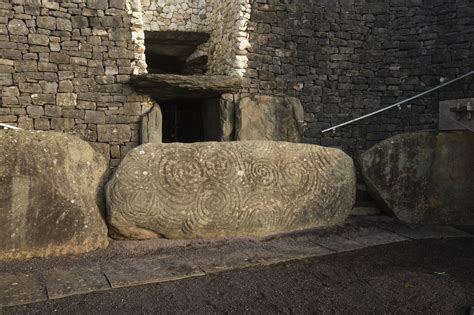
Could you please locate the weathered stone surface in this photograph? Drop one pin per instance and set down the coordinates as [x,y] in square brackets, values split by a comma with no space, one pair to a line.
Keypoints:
[66,99]
[424,177]
[173,86]
[227,116]
[264,117]
[17,27]
[50,200]
[228,189]
[114,133]
[152,126]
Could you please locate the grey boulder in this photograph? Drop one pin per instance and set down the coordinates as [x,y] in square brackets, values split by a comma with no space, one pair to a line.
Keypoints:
[228,189]
[50,199]
[424,177]
[264,117]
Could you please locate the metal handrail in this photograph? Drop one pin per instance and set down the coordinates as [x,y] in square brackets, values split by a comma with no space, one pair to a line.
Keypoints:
[9,127]
[399,103]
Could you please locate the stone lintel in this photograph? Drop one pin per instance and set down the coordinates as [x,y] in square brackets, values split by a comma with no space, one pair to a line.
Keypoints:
[173,86]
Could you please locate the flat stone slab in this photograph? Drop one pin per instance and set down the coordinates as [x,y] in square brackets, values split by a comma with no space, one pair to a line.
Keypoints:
[216,259]
[339,244]
[429,231]
[414,231]
[300,246]
[372,236]
[174,86]
[138,271]
[18,289]
[66,282]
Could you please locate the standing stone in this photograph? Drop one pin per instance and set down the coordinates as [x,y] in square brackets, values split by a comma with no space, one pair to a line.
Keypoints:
[424,177]
[50,195]
[228,189]
[264,117]
[227,116]
[152,126]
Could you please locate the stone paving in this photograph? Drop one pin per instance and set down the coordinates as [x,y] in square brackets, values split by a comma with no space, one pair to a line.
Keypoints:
[126,264]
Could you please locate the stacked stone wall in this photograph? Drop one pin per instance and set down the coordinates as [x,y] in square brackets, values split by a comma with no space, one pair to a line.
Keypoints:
[224,20]
[346,58]
[65,66]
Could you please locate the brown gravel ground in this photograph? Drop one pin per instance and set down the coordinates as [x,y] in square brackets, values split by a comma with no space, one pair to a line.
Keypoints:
[413,277]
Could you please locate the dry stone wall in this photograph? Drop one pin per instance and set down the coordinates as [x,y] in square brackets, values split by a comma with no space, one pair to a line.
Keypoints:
[225,20]
[346,58]
[65,66]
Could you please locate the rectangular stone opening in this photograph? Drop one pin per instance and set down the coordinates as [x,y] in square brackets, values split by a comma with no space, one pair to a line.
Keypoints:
[175,52]
[190,120]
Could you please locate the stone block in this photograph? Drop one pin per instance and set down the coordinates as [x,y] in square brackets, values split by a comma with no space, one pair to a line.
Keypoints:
[42,99]
[10,91]
[98,4]
[66,99]
[118,4]
[41,124]
[17,27]
[35,110]
[114,133]
[64,24]
[79,22]
[38,39]
[30,88]
[6,79]
[62,123]
[262,117]
[46,22]
[53,111]
[94,117]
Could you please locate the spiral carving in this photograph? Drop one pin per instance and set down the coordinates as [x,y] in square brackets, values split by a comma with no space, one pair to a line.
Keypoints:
[231,189]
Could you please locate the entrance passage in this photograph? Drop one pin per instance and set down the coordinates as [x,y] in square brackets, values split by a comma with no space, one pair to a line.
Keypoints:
[171,51]
[190,120]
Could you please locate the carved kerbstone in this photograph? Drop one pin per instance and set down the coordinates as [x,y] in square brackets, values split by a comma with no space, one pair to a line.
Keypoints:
[50,193]
[253,188]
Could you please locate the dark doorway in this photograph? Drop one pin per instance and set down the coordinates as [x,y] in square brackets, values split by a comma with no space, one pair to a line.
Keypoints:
[190,120]
[182,121]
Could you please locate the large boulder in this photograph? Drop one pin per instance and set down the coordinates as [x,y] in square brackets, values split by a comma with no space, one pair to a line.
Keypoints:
[228,189]
[50,195]
[265,117]
[424,177]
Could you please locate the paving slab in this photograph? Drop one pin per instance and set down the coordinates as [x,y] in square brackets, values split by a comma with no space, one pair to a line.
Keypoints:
[65,282]
[297,247]
[414,231]
[212,260]
[18,289]
[429,231]
[139,271]
[372,236]
[339,244]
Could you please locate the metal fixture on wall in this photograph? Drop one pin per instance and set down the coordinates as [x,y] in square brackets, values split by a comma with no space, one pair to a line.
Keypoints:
[399,104]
